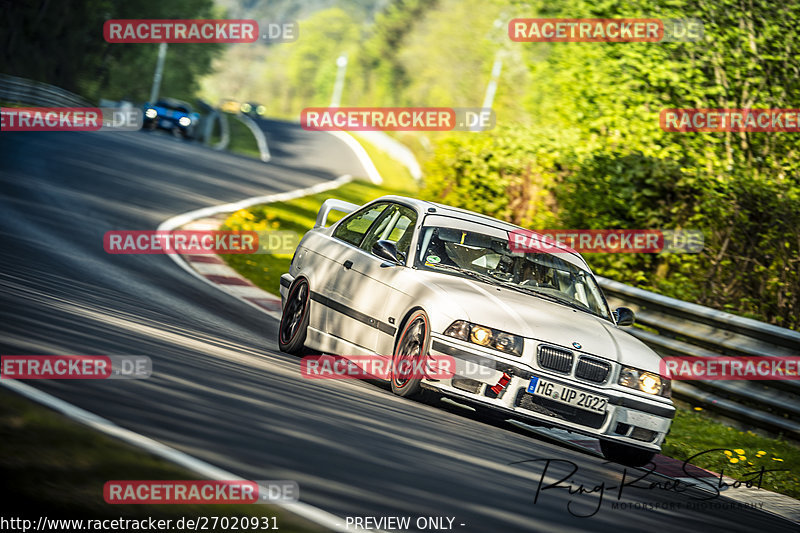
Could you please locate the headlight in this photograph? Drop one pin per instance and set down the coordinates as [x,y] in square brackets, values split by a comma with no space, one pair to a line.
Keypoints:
[483,336]
[184,121]
[480,335]
[261,110]
[245,108]
[645,381]
[151,113]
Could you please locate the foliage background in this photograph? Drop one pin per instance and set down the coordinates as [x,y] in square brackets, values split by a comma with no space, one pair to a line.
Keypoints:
[61,43]
[578,143]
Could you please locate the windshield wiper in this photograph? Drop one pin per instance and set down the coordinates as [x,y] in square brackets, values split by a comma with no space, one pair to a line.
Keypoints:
[471,273]
[551,297]
[531,290]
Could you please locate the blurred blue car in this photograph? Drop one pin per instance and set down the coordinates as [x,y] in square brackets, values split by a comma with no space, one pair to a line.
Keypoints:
[172,115]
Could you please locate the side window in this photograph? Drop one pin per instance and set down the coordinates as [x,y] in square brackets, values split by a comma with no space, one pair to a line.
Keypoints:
[396,225]
[403,231]
[353,228]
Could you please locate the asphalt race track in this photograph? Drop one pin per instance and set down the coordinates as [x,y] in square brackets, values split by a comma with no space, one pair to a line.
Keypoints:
[221,391]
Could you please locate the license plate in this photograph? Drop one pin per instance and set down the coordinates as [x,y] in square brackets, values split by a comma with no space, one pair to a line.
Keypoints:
[166,123]
[567,395]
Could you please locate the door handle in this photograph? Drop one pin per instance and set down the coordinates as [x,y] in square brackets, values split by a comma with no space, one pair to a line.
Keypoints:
[348,264]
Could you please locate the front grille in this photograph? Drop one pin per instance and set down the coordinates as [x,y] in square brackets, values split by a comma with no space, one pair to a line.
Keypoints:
[555,358]
[592,370]
[560,411]
[645,435]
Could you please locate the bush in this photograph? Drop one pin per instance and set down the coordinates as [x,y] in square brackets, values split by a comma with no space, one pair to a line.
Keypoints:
[751,225]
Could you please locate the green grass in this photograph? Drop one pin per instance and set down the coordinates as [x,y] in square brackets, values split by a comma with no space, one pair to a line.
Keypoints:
[242,139]
[694,432]
[300,214]
[55,467]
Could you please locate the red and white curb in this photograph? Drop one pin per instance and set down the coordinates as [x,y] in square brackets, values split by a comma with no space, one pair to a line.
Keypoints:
[213,270]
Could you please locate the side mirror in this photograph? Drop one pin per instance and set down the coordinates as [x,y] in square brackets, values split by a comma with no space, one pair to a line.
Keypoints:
[624,316]
[387,250]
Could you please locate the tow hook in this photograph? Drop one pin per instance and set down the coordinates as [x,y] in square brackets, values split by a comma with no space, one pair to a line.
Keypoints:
[502,384]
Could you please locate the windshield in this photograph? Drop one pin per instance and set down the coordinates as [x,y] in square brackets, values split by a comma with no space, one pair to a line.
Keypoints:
[488,259]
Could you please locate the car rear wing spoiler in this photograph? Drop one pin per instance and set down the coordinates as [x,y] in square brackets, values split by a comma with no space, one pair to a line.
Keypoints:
[332,204]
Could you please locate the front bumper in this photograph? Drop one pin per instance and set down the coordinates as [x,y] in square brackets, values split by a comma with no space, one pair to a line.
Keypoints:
[164,123]
[628,418]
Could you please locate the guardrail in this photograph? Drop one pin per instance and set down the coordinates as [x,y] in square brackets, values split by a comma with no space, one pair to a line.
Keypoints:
[224,128]
[676,328]
[22,91]
[261,139]
[29,92]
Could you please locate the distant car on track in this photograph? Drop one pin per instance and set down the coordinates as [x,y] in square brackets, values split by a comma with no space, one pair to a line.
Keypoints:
[253,109]
[230,106]
[406,279]
[172,115]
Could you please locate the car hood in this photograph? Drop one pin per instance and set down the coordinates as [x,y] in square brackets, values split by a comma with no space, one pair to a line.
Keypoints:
[542,320]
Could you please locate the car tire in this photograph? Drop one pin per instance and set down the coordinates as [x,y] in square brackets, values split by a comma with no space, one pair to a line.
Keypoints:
[412,345]
[293,328]
[624,454]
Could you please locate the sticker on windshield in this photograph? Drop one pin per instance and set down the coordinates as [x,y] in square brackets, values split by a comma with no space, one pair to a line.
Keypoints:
[433,259]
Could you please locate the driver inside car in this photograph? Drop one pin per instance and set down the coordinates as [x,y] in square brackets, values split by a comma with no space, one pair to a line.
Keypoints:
[436,253]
